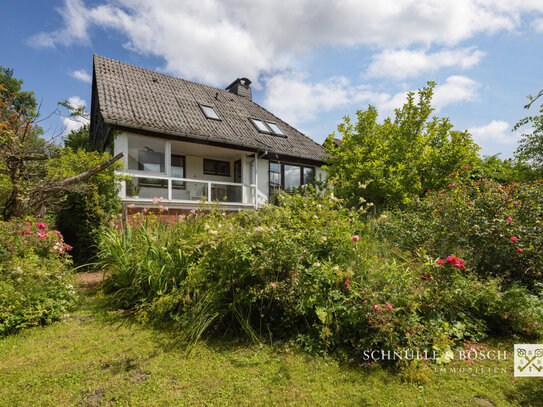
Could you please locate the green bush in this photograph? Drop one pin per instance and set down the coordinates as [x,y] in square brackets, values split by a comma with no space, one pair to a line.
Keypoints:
[497,229]
[307,269]
[81,212]
[36,284]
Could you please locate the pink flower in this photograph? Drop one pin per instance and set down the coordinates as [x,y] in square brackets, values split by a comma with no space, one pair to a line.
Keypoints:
[355,238]
[157,200]
[273,285]
[131,206]
[41,225]
[166,208]
[193,211]
[42,235]
[470,203]
[519,250]
[509,219]
[25,231]
[347,282]
[450,185]
[376,307]
[514,239]
[145,210]
[28,223]
[440,261]
[450,259]
[389,306]
[181,218]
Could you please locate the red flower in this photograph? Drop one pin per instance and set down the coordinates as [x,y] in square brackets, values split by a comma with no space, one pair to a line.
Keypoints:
[519,250]
[514,239]
[355,238]
[450,259]
[347,282]
[41,225]
[509,219]
[440,261]
[469,203]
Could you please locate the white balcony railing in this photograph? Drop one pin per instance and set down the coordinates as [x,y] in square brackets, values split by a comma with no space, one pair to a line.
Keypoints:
[146,187]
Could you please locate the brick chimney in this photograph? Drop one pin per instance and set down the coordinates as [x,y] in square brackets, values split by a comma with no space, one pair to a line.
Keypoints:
[241,88]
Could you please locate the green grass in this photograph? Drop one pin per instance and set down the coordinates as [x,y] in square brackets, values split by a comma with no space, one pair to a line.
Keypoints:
[97,357]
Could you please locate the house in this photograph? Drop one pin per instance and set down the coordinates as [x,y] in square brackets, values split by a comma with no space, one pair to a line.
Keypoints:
[187,142]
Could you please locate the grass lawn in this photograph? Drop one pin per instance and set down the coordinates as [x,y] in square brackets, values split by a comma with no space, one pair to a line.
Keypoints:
[97,357]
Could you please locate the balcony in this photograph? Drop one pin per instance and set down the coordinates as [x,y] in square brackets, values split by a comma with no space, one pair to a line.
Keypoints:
[142,188]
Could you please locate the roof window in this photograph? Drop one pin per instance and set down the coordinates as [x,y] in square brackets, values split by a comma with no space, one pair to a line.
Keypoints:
[209,112]
[275,129]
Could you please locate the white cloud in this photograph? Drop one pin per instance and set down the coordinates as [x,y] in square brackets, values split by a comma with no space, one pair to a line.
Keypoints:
[76,26]
[538,25]
[296,99]
[401,64]
[456,89]
[74,123]
[497,131]
[81,75]
[218,40]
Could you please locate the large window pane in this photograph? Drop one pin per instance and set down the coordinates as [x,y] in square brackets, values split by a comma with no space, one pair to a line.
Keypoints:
[292,177]
[146,154]
[147,188]
[309,175]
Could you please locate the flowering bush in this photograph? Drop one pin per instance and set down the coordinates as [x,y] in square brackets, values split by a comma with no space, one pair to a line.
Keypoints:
[497,229]
[36,282]
[307,269]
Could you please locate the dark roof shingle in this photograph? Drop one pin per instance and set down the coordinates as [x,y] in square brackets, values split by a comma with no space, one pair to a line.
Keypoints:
[132,96]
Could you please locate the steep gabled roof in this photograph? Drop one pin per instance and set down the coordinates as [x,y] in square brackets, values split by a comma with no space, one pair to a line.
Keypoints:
[135,97]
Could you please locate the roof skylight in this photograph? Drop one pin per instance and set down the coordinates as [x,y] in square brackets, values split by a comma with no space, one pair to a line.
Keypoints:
[209,112]
[275,128]
[260,126]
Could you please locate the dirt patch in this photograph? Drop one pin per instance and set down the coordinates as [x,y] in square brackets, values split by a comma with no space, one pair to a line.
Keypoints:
[93,398]
[90,280]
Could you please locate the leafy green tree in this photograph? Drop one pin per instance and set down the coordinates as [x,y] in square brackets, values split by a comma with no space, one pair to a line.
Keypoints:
[82,211]
[503,171]
[531,144]
[403,156]
[26,184]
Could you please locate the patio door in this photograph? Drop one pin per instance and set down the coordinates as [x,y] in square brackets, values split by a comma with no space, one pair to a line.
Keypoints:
[237,171]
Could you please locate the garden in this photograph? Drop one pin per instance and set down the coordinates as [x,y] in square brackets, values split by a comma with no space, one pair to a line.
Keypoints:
[414,244]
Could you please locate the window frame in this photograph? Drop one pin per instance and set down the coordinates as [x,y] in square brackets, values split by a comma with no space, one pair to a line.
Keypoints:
[202,106]
[281,134]
[281,164]
[216,172]
[253,121]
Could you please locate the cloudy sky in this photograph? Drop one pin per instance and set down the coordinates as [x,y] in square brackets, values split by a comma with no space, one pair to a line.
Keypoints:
[311,61]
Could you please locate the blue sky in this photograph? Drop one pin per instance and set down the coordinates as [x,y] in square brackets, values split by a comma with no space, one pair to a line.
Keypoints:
[311,61]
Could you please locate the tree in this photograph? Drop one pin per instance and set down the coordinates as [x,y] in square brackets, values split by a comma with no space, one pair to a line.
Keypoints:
[83,212]
[25,185]
[403,157]
[531,144]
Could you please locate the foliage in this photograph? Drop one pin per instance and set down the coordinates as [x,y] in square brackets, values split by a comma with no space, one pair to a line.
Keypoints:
[504,171]
[82,212]
[496,229]
[531,144]
[403,156]
[36,281]
[24,185]
[13,90]
[307,269]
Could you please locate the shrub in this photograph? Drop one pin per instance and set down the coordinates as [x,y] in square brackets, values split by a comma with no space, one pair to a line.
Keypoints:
[308,269]
[497,229]
[36,279]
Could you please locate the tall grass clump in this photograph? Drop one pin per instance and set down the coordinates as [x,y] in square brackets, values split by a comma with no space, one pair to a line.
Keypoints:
[307,269]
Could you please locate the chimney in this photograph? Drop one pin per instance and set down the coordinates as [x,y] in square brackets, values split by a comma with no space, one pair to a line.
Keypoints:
[241,88]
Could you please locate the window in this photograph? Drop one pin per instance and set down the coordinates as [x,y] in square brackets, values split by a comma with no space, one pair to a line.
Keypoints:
[260,126]
[146,154]
[209,112]
[216,167]
[293,177]
[178,171]
[289,176]
[275,128]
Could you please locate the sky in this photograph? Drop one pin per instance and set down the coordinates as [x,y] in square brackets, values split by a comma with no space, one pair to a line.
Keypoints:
[312,62]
